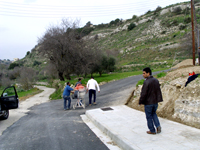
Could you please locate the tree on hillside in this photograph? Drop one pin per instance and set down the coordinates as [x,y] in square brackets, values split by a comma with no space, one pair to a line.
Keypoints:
[66,50]
[27,78]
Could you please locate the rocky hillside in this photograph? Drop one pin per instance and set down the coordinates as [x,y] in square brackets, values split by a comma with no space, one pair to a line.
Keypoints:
[159,36]
[181,104]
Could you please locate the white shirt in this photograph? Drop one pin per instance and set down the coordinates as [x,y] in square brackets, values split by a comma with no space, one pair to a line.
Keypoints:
[92,84]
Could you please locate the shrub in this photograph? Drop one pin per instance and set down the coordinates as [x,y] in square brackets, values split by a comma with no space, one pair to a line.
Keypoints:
[177,10]
[134,17]
[27,78]
[148,12]
[5,81]
[182,26]
[36,63]
[140,82]
[13,65]
[161,74]
[131,26]
[163,32]
[157,9]
[28,53]
[187,20]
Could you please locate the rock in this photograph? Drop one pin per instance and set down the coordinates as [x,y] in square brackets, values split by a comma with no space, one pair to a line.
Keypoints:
[164,11]
[178,85]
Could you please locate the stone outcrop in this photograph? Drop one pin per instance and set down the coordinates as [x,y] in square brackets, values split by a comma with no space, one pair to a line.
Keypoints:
[181,104]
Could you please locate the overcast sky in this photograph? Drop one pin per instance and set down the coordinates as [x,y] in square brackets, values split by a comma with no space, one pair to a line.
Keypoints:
[23,21]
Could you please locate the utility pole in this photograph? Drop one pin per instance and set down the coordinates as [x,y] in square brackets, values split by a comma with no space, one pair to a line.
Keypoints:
[199,55]
[193,40]
[197,33]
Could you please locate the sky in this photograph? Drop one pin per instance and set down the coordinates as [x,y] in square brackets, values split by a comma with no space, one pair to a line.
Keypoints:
[22,22]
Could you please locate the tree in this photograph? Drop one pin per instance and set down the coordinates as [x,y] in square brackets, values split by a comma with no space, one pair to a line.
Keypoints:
[13,65]
[158,9]
[27,78]
[131,26]
[67,51]
[28,53]
[111,64]
[58,44]
[88,24]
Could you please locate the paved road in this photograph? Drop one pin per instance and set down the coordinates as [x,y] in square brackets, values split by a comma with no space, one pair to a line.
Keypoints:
[48,127]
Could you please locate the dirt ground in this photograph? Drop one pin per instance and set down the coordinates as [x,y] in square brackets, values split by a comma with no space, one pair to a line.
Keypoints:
[181,104]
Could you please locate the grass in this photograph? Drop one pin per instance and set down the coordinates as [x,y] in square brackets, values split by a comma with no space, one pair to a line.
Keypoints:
[22,95]
[140,82]
[161,74]
[104,78]
[28,93]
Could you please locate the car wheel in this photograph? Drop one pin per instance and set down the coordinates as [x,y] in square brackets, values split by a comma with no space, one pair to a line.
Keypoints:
[5,114]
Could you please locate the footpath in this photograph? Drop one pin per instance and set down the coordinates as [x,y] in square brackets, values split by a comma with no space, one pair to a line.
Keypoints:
[127,128]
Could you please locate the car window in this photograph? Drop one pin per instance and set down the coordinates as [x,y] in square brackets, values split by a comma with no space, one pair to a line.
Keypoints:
[9,92]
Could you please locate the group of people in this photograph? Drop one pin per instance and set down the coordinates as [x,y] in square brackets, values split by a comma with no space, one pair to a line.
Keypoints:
[150,96]
[91,87]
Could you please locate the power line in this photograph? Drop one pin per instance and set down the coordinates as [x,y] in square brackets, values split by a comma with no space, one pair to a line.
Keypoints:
[67,6]
[18,10]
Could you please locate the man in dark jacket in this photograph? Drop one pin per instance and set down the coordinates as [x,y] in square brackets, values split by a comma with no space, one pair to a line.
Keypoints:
[150,96]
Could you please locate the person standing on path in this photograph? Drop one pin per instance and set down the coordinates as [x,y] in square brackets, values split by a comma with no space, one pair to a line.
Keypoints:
[91,87]
[79,82]
[66,96]
[150,96]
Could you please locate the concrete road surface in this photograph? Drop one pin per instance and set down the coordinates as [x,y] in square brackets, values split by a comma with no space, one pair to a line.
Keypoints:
[46,126]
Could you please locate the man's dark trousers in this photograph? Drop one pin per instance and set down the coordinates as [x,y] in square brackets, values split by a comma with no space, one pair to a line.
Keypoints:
[92,92]
[151,116]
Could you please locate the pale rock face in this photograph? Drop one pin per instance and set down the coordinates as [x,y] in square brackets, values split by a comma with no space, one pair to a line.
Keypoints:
[164,11]
[183,101]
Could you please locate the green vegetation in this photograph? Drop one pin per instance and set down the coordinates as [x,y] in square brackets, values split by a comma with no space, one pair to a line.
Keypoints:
[28,93]
[100,79]
[22,94]
[161,74]
[131,26]
[140,82]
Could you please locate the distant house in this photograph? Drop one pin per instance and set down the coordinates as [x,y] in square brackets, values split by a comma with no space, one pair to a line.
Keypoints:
[15,59]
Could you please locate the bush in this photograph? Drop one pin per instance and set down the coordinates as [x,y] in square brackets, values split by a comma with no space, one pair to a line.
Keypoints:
[115,22]
[161,74]
[28,53]
[140,82]
[27,78]
[134,17]
[148,12]
[157,10]
[36,63]
[85,30]
[5,82]
[13,65]
[177,10]
[131,26]
[187,20]
[163,32]
[182,26]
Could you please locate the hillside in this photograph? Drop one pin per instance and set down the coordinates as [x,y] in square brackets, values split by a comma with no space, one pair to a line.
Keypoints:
[159,39]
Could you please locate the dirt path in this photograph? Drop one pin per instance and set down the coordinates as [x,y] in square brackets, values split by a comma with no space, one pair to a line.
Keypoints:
[24,106]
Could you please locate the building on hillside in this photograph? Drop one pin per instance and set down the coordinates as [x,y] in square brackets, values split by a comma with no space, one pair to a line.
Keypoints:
[15,59]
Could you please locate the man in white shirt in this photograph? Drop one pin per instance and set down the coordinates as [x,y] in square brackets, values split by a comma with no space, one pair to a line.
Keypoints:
[91,87]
